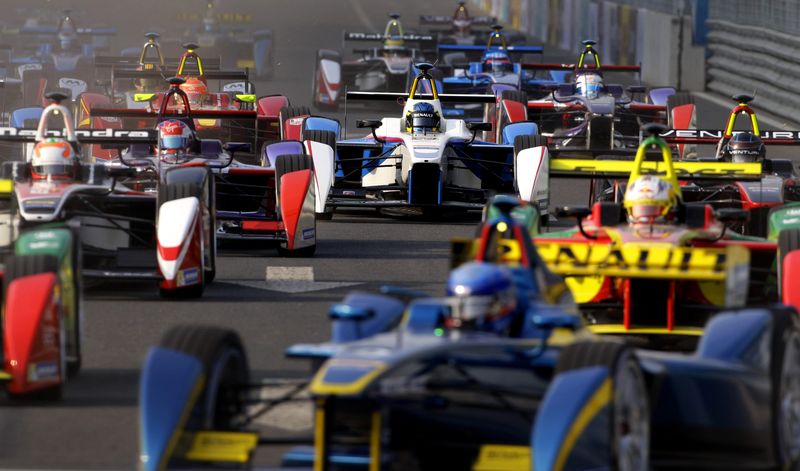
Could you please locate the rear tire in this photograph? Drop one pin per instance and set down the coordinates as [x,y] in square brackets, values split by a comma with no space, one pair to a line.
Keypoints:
[292,111]
[325,137]
[224,361]
[528,142]
[630,424]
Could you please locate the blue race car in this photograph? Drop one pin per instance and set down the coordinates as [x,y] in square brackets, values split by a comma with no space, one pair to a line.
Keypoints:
[497,375]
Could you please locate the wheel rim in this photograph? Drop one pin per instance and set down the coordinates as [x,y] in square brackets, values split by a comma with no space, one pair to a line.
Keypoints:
[631,419]
[790,399]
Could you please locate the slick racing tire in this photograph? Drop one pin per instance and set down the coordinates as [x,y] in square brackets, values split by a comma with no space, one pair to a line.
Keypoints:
[324,137]
[630,426]
[224,362]
[514,95]
[788,241]
[19,266]
[327,138]
[528,142]
[174,191]
[785,376]
[291,111]
[286,164]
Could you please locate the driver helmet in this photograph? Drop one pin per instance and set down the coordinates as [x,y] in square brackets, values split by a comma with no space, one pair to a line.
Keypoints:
[744,147]
[174,136]
[461,20]
[648,200]
[484,297]
[423,118]
[589,84]
[497,63]
[196,90]
[53,158]
[67,40]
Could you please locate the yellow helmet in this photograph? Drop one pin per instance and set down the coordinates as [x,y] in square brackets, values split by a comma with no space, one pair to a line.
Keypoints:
[649,199]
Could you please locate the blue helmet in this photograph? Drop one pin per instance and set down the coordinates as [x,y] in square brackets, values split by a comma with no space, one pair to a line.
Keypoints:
[423,118]
[485,297]
[497,62]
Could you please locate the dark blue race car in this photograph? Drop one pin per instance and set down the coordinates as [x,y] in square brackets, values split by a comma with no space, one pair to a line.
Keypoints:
[497,375]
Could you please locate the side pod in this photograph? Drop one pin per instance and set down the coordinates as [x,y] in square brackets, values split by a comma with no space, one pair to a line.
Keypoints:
[532,176]
[169,386]
[571,431]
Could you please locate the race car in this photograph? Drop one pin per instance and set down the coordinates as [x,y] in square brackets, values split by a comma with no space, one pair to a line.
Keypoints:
[378,69]
[779,183]
[461,27]
[425,161]
[588,114]
[493,376]
[663,266]
[494,64]
[227,35]
[242,115]
[50,57]
[274,201]
[42,322]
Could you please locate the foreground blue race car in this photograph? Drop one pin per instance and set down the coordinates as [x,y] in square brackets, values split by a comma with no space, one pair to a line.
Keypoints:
[498,375]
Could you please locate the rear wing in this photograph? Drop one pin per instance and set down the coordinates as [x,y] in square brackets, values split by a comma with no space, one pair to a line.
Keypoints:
[479,48]
[713,136]
[54,30]
[85,136]
[348,36]
[142,113]
[643,260]
[448,20]
[400,97]
[572,67]
[685,170]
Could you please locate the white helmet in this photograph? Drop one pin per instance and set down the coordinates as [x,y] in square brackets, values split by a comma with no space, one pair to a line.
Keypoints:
[54,158]
[649,199]
[589,84]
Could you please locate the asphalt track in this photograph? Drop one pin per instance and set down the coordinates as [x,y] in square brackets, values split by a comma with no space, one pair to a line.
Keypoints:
[95,426]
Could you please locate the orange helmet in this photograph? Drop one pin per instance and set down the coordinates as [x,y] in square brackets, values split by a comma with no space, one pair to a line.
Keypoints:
[196,90]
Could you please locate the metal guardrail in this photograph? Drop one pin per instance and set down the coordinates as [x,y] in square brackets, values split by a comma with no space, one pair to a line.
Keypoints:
[774,15]
[754,59]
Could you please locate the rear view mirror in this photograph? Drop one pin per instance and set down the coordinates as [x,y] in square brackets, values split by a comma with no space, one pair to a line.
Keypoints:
[477,127]
[368,123]
[121,172]
[578,212]
[234,147]
[346,311]
[732,215]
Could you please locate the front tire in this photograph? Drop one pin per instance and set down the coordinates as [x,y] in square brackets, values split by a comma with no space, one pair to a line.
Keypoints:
[630,424]
[224,361]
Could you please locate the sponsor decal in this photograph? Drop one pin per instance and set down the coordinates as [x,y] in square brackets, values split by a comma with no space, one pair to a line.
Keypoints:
[308,234]
[40,203]
[189,276]
[296,121]
[718,134]
[632,258]
[138,134]
[43,371]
